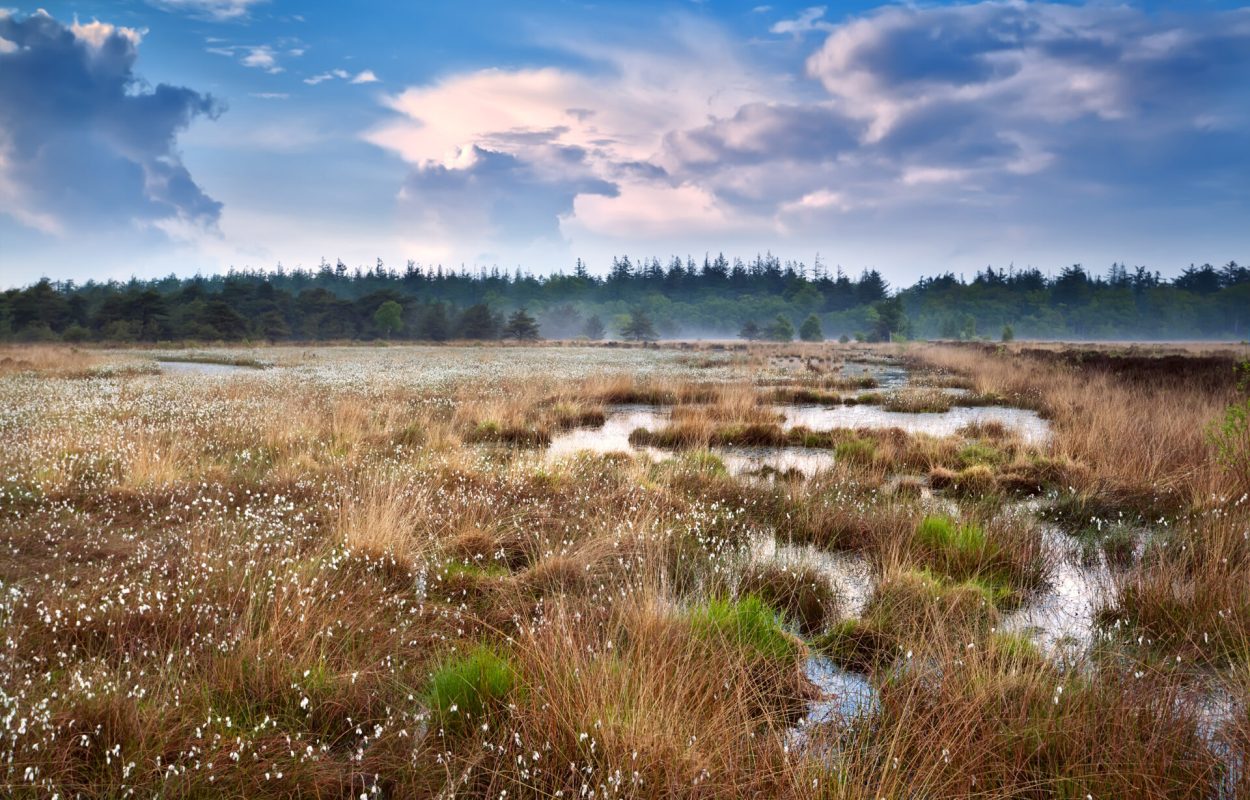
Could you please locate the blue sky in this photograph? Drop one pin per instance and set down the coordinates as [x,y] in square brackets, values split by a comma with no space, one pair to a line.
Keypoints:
[143,138]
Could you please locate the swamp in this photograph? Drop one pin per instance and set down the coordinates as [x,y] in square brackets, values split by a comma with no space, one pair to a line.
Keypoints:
[573,570]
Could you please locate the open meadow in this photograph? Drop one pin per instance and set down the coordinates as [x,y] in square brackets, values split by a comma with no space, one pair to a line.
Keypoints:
[700,570]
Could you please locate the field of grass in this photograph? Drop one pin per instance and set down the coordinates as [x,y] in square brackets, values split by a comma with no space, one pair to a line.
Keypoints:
[359,572]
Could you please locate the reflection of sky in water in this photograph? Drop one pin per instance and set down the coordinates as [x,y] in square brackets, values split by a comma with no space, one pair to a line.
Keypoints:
[1028,424]
[613,435]
[743,460]
[1062,617]
[848,572]
[887,377]
[844,694]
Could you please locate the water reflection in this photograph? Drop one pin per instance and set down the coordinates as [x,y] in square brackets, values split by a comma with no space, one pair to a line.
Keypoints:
[1032,428]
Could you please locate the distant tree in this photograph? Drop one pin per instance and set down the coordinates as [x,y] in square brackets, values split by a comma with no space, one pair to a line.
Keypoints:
[1203,280]
[561,322]
[594,329]
[750,331]
[843,339]
[432,323]
[810,330]
[871,287]
[521,326]
[389,318]
[75,334]
[890,320]
[967,326]
[1009,333]
[477,322]
[220,317]
[639,328]
[782,329]
[948,328]
[272,325]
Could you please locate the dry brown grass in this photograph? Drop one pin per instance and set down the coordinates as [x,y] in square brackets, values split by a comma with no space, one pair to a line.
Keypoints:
[1143,443]
[248,578]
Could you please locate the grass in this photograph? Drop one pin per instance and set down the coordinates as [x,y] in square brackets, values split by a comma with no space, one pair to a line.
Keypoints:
[749,624]
[802,595]
[467,688]
[281,588]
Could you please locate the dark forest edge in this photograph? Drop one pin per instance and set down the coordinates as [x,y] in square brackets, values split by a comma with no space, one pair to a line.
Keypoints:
[644,300]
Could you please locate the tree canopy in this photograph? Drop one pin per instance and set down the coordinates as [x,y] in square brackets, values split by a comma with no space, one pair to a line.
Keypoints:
[717,297]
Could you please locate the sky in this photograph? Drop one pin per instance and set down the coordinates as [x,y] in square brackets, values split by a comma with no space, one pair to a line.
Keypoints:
[149,137]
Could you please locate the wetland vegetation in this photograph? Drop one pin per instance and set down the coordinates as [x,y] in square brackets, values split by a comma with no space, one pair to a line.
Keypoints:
[800,571]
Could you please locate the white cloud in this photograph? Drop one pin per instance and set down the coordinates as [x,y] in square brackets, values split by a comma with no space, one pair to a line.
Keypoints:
[365,76]
[261,57]
[210,9]
[95,34]
[650,210]
[808,20]
[817,200]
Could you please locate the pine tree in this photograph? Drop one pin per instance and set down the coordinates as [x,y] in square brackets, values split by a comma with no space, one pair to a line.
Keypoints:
[750,331]
[521,326]
[594,329]
[639,327]
[478,323]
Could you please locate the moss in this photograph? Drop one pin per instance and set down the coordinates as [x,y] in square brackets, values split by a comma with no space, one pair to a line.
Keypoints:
[467,687]
[750,624]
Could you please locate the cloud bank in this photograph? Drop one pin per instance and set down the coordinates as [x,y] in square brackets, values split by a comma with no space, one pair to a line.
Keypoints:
[902,111]
[84,142]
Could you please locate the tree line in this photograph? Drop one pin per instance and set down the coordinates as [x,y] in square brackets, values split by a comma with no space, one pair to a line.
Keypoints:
[645,299]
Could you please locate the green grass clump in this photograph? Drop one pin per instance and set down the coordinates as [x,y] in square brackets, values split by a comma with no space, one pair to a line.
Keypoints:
[749,623]
[946,535]
[703,461]
[467,687]
[975,481]
[1014,650]
[801,593]
[921,603]
[979,454]
[855,451]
